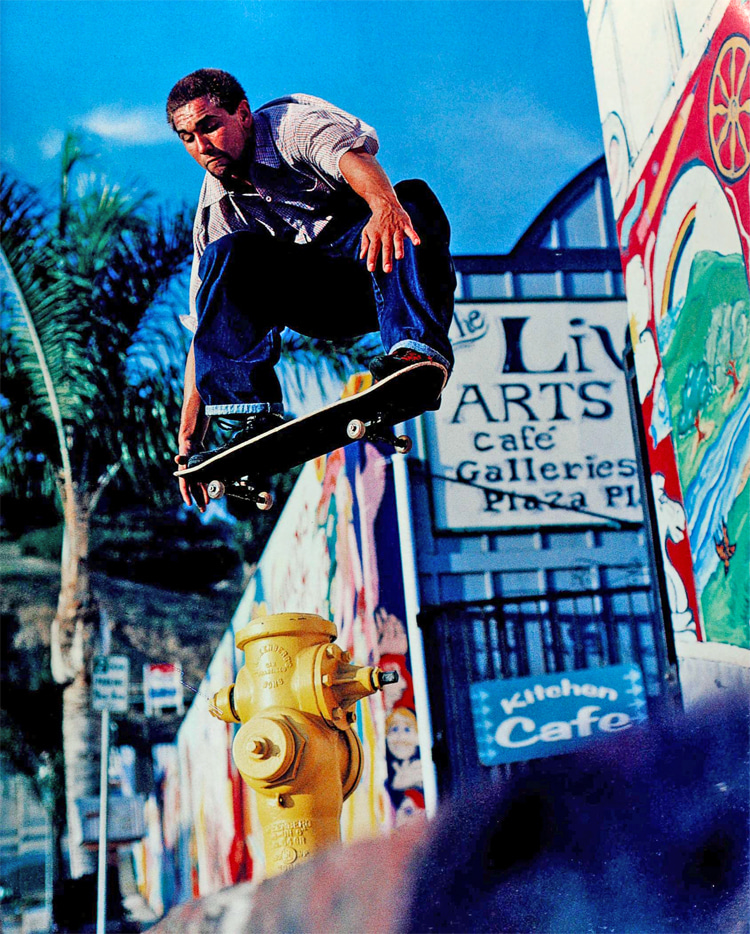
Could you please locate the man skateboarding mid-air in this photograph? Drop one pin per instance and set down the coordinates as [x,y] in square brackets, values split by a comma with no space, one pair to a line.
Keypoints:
[297,225]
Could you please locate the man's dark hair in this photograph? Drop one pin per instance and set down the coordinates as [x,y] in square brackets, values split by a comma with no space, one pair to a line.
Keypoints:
[220,87]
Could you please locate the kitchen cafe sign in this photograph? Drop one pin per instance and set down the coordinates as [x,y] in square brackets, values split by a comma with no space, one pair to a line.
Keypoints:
[534,428]
[550,714]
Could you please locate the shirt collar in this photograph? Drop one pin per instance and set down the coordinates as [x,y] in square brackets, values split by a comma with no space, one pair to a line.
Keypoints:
[265,153]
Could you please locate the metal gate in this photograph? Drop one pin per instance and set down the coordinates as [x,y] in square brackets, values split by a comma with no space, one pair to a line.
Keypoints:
[514,637]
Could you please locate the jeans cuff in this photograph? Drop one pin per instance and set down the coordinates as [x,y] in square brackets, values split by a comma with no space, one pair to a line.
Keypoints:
[245,408]
[423,348]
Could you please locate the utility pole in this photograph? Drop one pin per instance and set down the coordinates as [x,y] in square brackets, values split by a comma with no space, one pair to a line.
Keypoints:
[101,887]
[109,687]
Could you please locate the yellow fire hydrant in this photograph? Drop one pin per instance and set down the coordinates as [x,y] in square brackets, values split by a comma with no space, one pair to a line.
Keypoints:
[295,698]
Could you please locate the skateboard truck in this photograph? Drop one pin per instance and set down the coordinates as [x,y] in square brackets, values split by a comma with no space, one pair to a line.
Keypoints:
[240,489]
[376,431]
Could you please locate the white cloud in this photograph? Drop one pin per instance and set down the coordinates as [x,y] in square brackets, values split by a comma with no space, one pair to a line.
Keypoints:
[51,143]
[519,124]
[138,126]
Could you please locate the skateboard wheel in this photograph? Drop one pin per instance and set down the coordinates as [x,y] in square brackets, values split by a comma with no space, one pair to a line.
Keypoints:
[216,489]
[356,429]
[403,444]
[264,501]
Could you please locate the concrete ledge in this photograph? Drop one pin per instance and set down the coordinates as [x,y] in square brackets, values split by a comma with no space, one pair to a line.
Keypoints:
[712,669]
[362,887]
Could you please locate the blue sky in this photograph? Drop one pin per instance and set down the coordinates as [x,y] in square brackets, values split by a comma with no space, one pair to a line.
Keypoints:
[491,102]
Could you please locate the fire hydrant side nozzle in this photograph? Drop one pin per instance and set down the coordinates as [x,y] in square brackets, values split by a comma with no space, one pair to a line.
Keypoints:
[295,698]
[222,705]
[338,685]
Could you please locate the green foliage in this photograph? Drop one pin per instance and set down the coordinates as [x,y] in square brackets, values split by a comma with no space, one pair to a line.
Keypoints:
[79,284]
[174,550]
[42,543]
[725,600]
[171,549]
[728,340]
[51,355]
[27,434]
[717,283]
[713,322]
[306,357]
[31,712]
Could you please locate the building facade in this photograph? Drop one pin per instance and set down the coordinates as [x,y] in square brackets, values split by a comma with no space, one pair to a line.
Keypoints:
[531,543]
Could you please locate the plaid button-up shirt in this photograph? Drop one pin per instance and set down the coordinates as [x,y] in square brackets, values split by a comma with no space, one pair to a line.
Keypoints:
[299,141]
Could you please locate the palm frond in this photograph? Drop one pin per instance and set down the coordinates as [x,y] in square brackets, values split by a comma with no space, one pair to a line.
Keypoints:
[72,153]
[43,300]
[126,342]
[36,277]
[82,285]
[27,435]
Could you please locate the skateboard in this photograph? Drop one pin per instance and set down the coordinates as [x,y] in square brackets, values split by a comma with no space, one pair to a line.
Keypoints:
[243,470]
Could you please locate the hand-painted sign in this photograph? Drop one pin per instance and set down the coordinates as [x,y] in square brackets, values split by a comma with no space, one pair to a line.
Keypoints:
[547,715]
[110,682]
[534,429]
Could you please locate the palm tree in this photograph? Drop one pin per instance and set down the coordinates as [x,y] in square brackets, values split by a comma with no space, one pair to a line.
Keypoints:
[82,279]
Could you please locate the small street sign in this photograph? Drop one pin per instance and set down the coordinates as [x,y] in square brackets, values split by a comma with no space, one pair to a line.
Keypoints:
[162,688]
[110,682]
[546,715]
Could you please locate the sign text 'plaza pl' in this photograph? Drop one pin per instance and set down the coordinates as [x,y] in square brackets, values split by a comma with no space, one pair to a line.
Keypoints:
[538,410]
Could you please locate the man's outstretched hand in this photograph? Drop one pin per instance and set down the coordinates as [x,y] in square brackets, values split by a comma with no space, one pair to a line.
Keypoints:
[384,234]
[389,224]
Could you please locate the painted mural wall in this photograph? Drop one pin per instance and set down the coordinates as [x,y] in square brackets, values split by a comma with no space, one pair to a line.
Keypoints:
[335,552]
[673,82]
[199,819]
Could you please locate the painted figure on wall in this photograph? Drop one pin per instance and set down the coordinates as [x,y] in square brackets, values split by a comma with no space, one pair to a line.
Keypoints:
[402,740]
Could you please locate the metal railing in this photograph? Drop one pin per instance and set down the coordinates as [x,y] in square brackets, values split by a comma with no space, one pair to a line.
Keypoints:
[513,637]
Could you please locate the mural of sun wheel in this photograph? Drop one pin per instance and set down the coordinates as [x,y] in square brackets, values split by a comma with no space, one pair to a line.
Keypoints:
[729,108]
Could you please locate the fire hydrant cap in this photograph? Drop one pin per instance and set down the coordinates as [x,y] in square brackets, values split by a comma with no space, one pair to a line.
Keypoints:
[265,749]
[284,624]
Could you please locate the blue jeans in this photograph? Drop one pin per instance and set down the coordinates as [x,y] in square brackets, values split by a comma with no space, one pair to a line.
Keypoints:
[253,285]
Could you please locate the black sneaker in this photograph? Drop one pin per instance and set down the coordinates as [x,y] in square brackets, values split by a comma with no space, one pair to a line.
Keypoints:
[389,363]
[247,427]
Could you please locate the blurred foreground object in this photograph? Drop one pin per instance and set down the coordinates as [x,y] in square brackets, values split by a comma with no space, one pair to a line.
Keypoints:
[646,834]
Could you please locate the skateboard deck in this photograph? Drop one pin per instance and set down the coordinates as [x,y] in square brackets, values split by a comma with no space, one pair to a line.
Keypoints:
[243,470]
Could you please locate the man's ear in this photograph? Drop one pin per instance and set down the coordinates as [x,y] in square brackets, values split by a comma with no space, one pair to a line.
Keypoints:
[245,114]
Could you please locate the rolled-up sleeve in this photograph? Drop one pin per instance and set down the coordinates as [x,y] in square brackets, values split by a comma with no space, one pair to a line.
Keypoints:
[322,137]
